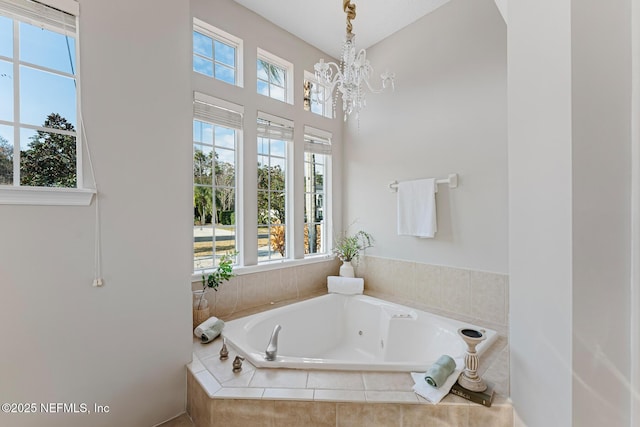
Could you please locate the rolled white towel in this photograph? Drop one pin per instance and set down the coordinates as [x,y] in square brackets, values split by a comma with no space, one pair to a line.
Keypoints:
[345,285]
[207,324]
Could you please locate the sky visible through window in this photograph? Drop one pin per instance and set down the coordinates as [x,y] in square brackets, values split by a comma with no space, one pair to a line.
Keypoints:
[46,86]
[213,58]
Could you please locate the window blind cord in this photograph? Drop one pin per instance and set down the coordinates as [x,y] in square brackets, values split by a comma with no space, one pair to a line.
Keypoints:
[97,260]
[97,237]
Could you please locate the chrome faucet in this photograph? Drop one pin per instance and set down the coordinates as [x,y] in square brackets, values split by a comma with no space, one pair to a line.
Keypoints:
[272,347]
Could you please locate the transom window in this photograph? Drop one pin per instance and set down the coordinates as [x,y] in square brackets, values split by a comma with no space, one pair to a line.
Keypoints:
[274,77]
[273,139]
[39,145]
[317,155]
[216,53]
[215,141]
[317,97]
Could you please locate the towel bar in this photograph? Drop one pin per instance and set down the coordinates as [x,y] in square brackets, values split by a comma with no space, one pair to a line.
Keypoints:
[452,180]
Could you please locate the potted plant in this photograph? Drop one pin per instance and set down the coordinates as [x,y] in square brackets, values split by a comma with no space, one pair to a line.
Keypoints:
[348,248]
[222,273]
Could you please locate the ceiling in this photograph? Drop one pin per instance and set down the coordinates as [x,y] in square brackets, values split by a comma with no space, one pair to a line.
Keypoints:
[322,23]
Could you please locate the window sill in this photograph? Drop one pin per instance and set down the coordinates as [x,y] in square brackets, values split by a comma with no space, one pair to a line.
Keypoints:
[273,265]
[45,196]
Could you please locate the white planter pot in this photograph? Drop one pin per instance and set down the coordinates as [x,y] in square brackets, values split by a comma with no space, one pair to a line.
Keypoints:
[346,269]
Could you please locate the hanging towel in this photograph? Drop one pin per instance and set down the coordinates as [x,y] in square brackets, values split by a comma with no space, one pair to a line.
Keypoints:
[417,208]
[345,285]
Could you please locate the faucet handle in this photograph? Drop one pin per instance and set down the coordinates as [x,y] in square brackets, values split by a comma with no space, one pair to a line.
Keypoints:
[224,353]
[237,364]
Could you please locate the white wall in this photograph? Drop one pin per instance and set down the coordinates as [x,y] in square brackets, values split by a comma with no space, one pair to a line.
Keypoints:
[601,153]
[124,345]
[569,210]
[540,210]
[447,115]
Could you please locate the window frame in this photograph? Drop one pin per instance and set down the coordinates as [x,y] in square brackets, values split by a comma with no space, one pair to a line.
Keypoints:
[235,110]
[16,194]
[226,38]
[286,126]
[263,55]
[328,110]
[318,142]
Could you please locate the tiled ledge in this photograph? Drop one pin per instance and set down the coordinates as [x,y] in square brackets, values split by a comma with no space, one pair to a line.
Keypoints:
[256,396]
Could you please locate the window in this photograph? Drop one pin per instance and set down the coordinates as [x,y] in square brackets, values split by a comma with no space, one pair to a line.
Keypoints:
[274,77]
[39,144]
[216,53]
[317,97]
[274,134]
[317,155]
[215,146]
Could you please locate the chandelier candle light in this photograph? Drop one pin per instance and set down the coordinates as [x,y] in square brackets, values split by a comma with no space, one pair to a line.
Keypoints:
[353,73]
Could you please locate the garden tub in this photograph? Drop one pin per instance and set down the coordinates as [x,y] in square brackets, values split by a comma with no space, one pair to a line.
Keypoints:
[350,332]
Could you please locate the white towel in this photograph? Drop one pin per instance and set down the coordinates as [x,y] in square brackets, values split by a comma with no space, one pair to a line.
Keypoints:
[432,394]
[204,326]
[345,285]
[417,208]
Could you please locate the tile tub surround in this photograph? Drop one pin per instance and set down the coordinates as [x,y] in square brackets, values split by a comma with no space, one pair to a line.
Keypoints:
[273,397]
[247,292]
[452,292]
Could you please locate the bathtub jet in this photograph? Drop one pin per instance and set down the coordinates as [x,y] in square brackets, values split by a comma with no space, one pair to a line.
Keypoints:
[349,332]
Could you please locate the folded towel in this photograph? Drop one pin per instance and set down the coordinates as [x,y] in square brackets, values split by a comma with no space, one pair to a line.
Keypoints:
[417,208]
[433,394]
[345,285]
[438,373]
[208,330]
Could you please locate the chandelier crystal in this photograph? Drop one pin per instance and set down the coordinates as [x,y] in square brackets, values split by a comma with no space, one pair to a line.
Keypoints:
[352,75]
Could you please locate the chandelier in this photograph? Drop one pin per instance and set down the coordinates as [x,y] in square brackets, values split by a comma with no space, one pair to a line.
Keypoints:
[352,75]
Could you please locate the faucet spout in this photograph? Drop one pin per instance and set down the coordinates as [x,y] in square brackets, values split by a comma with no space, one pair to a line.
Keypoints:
[272,348]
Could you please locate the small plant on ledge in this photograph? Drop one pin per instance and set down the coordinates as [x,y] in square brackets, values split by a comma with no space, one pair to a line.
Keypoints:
[348,248]
[222,273]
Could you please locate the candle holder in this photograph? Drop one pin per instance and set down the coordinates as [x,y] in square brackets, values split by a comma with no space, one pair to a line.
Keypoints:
[470,378]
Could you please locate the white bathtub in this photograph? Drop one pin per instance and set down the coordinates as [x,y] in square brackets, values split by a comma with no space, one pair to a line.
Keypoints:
[350,333]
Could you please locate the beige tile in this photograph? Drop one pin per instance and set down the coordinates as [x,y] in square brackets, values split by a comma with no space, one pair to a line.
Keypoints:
[455,291]
[209,384]
[336,380]
[227,298]
[297,414]
[435,415]
[354,415]
[222,370]
[239,393]
[387,415]
[243,413]
[288,378]
[288,394]
[428,285]
[391,396]
[242,380]
[340,395]
[387,381]
[203,351]
[489,296]
[365,415]
[254,291]
[495,416]
[195,365]
[198,403]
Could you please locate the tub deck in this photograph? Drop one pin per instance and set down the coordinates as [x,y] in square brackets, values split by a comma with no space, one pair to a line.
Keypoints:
[268,397]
